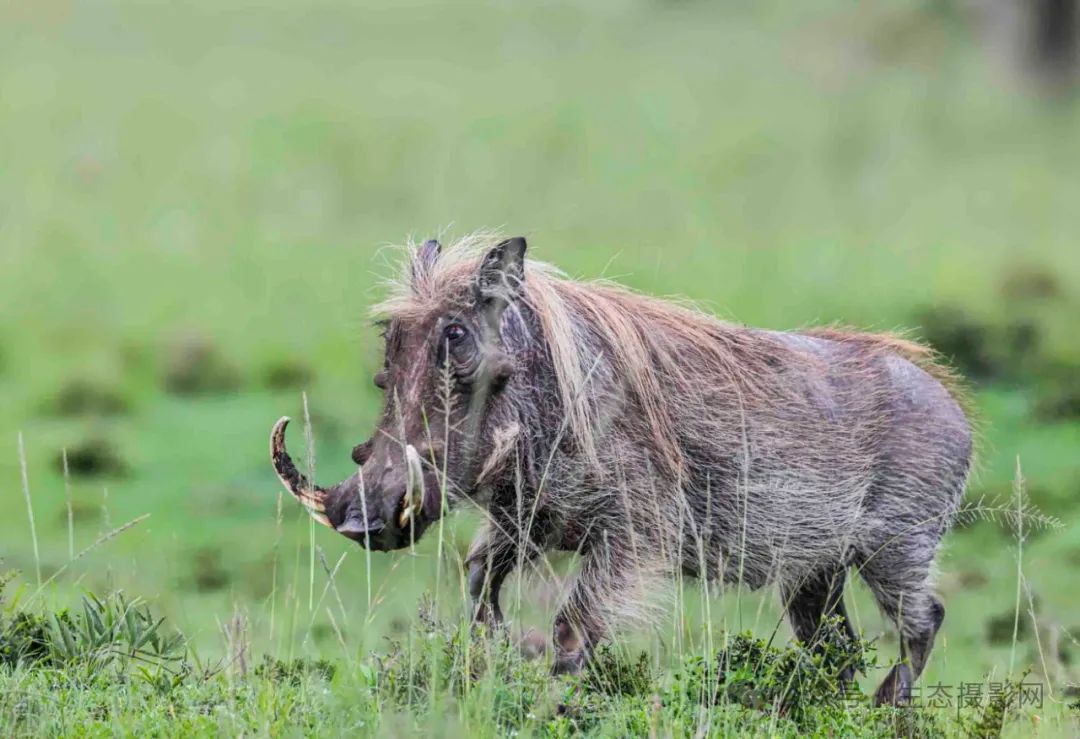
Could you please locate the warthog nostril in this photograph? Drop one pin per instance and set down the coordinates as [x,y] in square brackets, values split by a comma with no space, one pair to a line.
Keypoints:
[361,452]
[354,528]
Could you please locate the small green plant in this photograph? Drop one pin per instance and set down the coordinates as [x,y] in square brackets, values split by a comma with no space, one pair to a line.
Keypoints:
[792,681]
[462,662]
[612,671]
[294,671]
[6,576]
[988,722]
[111,633]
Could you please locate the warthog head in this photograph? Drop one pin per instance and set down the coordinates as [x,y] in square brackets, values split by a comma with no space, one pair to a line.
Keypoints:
[443,377]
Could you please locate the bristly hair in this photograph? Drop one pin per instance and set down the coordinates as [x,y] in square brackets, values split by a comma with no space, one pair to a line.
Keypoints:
[642,339]
[921,355]
[418,287]
[736,454]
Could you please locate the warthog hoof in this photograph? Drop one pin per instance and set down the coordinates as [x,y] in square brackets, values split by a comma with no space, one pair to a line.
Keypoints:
[846,678]
[568,663]
[486,617]
[532,644]
[895,690]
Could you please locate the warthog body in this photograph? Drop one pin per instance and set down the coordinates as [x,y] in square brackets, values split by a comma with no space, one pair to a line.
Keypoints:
[652,438]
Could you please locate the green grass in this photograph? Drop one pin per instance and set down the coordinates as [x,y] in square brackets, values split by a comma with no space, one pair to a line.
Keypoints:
[111,668]
[215,181]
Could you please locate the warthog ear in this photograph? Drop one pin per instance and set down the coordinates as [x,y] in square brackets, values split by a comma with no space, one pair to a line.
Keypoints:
[425,257]
[502,271]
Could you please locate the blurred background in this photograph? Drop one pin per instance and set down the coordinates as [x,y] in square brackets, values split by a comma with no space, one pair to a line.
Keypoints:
[193,199]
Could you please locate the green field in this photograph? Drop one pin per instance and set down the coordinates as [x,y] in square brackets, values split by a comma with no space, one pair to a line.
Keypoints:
[194,201]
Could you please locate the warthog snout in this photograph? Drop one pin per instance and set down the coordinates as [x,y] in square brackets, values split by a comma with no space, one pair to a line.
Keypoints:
[386,505]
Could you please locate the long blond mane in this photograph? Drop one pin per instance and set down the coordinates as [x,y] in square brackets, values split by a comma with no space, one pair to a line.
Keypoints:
[644,339]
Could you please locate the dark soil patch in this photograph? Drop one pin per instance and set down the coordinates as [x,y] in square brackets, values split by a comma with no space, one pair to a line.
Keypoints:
[999,628]
[287,374]
[962,339]
[983,350]
[93,457]
[81,397]
[194,366]
[1059,396]
[207,572]
[971,579]
[81,512]
[1027,282]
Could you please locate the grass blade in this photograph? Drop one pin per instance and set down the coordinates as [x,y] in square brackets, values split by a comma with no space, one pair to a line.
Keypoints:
[29,508]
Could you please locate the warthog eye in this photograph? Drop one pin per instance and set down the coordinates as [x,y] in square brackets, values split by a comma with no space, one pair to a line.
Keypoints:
[455,333]
[456,345]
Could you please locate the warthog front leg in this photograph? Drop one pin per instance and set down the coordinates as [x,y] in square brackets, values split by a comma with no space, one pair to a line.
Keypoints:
[608,581]
[486,577]
[815,597]
[493,555]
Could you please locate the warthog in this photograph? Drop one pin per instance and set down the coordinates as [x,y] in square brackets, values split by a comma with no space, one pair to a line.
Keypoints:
[650,437]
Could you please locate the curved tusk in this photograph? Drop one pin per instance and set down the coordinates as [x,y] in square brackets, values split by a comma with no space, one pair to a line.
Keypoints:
[311,496]
[414,490]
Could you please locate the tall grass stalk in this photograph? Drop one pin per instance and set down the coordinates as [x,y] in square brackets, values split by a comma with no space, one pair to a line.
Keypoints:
[70,512]
[442,516]
[29,507]
[679,624]
[293,594]
[442,525]
[106,520]
[309,441]
[367,550]
[1018,493]
[332,581]
[443,508]
[106,537]
[277,548]
[330,585]
[704,565]
[1038,642]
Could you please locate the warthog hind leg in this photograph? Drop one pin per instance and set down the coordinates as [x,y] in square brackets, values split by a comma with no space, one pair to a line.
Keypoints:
[812,599]
[899,577]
